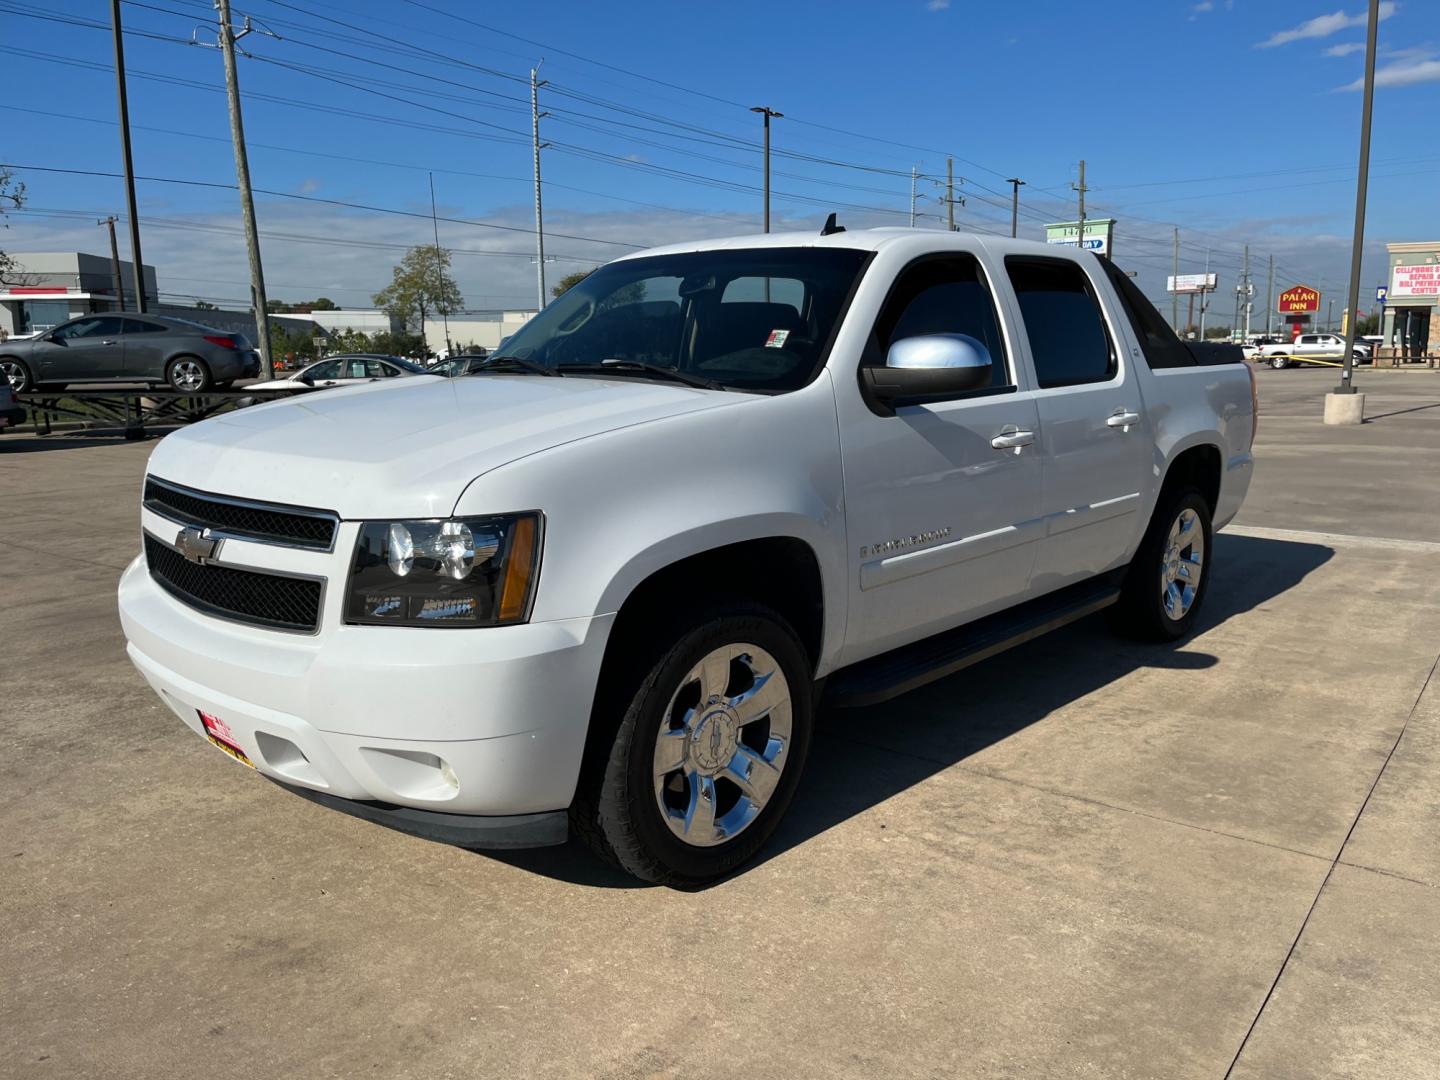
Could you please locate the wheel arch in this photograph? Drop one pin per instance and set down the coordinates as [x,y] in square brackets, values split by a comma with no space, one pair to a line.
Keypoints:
[1200,464]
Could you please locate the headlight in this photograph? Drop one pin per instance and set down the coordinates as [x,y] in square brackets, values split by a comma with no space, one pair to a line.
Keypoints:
[461,572]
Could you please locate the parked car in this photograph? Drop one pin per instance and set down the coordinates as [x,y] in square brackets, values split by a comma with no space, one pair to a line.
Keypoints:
[10,413]
[348,370]
[601,585]
[151,349]
[1309,348]
[458,365]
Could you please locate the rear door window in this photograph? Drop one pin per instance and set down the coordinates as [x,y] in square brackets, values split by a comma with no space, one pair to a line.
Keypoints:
[1069,341]
[140,326]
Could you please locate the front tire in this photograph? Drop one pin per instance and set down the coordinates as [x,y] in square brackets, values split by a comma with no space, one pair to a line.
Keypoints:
[188,375]
[1279,362]
[18,374]
[708,752]
[1169,576]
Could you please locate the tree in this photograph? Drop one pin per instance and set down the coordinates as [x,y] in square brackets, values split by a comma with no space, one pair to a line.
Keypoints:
[323,303]
[204,305]
[1369,324]
[12,194]
[421,286]
[569,281]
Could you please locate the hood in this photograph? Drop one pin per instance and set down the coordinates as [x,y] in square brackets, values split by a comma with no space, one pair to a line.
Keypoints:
[407,447]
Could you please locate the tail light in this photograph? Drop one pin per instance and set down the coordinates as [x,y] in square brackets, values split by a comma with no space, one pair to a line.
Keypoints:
[1254,405]
[223,342]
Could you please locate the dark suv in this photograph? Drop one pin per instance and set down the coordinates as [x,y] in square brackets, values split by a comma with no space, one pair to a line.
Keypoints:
[150,349]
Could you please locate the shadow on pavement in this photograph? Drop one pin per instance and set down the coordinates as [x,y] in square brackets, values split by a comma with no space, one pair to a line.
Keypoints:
[29,443]
[862,757]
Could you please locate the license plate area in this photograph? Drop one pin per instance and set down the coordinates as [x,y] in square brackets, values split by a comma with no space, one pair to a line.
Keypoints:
[220,735]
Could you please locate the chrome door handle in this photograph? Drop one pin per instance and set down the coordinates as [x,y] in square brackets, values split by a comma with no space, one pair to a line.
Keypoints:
[1012,440]
[107,342]
[1122,418]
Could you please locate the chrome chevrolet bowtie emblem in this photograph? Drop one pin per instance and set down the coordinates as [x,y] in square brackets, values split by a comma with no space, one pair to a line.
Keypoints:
[195,545]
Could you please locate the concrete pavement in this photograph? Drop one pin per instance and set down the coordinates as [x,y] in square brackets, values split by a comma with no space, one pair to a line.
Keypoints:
[1086,858]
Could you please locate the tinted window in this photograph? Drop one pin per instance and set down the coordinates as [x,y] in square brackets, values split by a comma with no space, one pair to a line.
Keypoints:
[104,326]
[328,369]
[355,369]
[1161,347]
[374,369]
[136,326]
[1068,339]
[941,296]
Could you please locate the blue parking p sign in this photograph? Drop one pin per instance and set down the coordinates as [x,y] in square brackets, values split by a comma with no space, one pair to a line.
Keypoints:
[1381,292]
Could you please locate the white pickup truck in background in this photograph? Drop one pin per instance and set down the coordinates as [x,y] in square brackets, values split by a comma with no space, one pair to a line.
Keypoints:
[600,582]
[1311,348]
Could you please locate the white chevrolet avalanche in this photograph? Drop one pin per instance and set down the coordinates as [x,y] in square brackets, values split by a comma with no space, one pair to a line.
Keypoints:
[601,582]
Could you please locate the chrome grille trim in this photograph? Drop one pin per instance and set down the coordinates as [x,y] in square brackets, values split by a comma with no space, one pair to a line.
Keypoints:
[227,517]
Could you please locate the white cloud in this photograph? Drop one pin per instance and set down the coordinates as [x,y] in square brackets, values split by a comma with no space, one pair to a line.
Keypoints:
[1403,73]
[1346,49]
[1323,26]
[937,5]
[1204,5]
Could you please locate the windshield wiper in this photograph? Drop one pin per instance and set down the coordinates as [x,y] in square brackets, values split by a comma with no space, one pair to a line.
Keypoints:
[697,381]
[495,362]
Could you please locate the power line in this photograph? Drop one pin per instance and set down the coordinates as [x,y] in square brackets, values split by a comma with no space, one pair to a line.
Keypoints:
[315,199]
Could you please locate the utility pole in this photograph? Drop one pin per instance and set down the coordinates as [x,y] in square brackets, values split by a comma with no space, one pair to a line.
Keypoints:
[114,262]
[1080,188]
[136,260]
[1330,314]
[535,114]
[1249,292]
[1270,295]
[228,38]
[769,114]
[1347,385]
[1204,303]
[950,193]
[912,196]
[435,225]
[1175,282]
[1015,184]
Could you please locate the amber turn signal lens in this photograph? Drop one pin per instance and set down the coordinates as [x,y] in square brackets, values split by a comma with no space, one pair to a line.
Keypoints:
[519,569]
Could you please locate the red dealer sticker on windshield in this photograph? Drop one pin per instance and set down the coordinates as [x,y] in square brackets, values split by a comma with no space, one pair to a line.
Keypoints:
[777,339]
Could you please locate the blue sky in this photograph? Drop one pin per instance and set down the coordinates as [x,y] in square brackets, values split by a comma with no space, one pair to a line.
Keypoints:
[1232,120]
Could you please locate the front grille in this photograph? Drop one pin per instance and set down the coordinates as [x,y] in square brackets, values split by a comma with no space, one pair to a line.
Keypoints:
[283,603]
[292,526]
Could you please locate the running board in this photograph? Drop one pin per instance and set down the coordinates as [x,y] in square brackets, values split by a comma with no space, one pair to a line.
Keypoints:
[912,666]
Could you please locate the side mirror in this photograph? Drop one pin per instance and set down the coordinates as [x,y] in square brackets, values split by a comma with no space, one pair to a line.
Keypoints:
[928,368]
[306,378]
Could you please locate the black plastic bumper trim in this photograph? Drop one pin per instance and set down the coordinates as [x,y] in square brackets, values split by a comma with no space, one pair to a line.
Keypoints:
[549,829]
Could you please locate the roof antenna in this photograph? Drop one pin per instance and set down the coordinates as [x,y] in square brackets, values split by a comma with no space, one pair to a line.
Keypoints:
[830,226]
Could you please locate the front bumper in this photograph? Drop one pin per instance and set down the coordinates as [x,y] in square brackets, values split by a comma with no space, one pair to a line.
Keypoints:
[479,723]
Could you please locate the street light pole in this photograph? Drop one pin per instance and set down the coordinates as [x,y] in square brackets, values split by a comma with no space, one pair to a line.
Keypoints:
[1347,385]
[767,113]
[137,262]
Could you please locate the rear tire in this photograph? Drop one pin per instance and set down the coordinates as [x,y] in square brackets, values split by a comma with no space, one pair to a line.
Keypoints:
[188,375]
[1169,576]
[708,751]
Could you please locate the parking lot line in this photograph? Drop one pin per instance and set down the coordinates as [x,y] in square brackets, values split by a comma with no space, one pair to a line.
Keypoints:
[1419,547]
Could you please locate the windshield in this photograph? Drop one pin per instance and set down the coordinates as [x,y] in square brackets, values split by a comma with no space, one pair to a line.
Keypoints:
[758,319]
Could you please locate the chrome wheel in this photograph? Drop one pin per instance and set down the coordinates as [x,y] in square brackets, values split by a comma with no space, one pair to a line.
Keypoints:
[187,375]
[723,743]
[15,375]
[1182,564]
